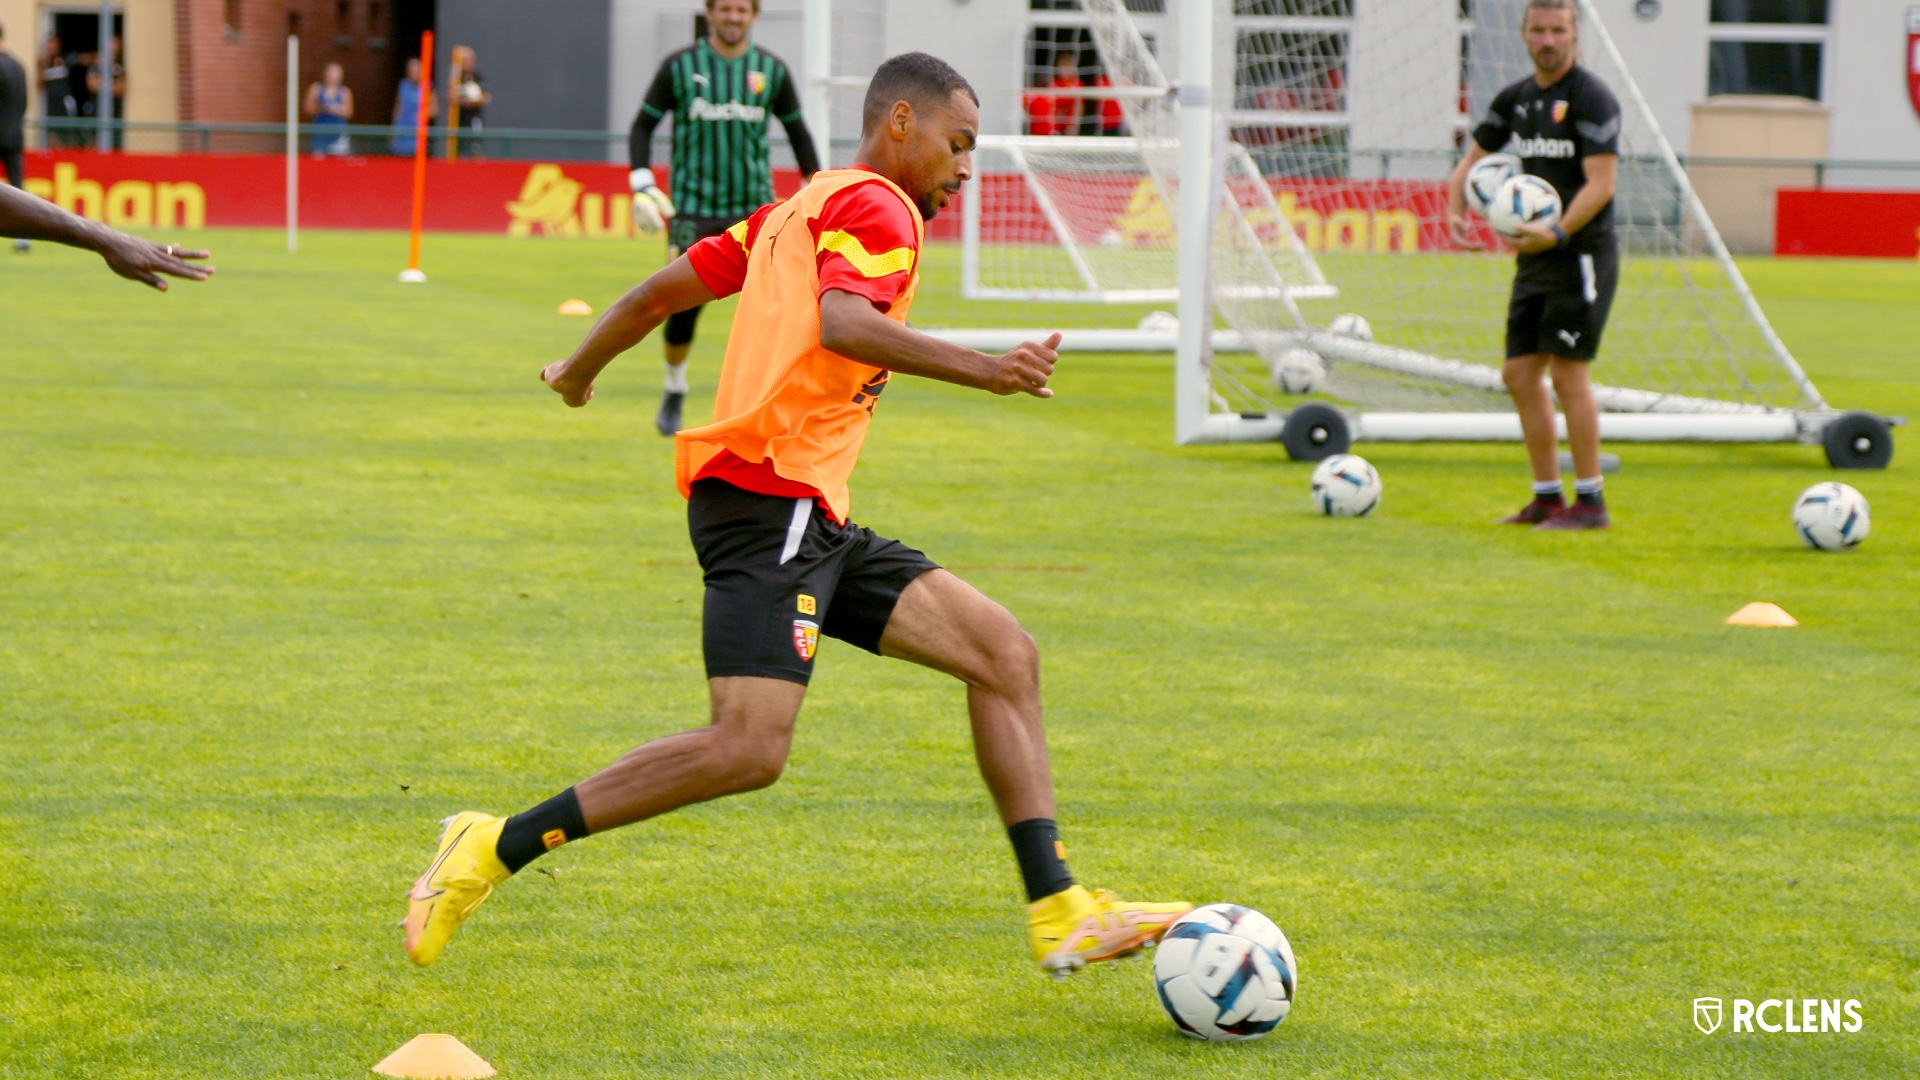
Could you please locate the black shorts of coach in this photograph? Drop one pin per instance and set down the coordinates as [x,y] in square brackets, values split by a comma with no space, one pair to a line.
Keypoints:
[780,573]
[1560,302]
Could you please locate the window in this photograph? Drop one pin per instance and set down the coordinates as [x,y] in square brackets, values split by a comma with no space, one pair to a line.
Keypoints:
[1138,7]
[1064,56]
[1774,47]
[1780,12]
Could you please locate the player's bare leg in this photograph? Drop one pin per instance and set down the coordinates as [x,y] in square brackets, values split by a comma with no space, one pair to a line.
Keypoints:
[944,623]
[1575,390]
[743,749]
[1525,378]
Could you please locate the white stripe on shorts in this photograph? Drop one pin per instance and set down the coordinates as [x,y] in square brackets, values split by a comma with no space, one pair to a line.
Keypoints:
[802,513]
[1587,285]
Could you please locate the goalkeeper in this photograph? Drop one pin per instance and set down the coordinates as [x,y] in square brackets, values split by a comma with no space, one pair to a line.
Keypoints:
[720,90]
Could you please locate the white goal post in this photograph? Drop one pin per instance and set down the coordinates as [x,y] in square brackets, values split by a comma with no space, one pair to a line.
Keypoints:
[1322,133]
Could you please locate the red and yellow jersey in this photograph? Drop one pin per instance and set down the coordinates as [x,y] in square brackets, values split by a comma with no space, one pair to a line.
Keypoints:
[789,415]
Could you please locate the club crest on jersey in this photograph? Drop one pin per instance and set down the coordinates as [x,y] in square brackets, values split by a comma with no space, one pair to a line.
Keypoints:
[1559,111]
[806,638]
[756,82]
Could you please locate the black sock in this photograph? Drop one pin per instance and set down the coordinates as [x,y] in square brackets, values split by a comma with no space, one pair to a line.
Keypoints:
[532,833]
[1043,859]
[1595,499]
[1550,498]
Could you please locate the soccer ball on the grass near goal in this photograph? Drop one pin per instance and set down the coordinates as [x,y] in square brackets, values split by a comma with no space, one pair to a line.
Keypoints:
[1299,371]
[1224,972]
[1831,516]
[1485,178]
[1160,321]
[1350,325]
[1346,485]
[1523,200]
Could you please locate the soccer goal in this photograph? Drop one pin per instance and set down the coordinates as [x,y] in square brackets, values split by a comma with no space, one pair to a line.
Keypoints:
[1323,133]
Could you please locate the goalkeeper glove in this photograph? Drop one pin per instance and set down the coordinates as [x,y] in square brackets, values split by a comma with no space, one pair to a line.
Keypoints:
[651,207]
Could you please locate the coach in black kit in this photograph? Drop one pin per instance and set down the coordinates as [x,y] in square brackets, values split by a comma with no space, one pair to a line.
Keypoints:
[1564,125]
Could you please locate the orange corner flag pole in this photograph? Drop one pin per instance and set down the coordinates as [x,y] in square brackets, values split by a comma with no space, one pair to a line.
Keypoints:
[412,273]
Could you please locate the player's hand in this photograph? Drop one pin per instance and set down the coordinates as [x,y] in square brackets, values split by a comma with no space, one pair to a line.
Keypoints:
[1462,232]
[571,392]
[1026,369]
[144,261]
[1534,239]
[651,207]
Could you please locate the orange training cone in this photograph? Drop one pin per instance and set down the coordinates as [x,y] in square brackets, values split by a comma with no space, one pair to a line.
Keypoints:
[576,307]
[434,1057]
[1761,613]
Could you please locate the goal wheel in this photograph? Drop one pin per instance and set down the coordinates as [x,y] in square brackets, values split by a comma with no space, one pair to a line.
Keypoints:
[1858,440]
[1314,432]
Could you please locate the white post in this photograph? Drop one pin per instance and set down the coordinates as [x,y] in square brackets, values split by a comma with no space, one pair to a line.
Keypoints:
[816,59]
[1194,225]
[293,143]
[104,58]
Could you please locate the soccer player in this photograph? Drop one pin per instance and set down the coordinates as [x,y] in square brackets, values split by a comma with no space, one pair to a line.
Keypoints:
[720,91]
[1567,126]
[29,217]
[824,279]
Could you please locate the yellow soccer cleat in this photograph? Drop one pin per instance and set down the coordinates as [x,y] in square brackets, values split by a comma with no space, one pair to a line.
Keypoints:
[1072,929]
[464,871]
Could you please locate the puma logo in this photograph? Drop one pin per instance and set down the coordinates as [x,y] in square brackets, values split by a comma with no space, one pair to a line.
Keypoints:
[1572,338]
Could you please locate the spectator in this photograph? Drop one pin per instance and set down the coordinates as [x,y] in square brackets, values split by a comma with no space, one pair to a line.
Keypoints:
[470,98]
[1113,120]
[330,105]
[1050,115]
[91,106]
[56,88]
[13,114]
[406,109]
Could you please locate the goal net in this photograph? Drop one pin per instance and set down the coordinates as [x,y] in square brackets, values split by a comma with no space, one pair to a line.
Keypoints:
[1337,126]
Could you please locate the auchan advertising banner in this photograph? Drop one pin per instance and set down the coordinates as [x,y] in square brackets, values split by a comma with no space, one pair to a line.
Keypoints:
[590,199]
[518,198]
[1819,221]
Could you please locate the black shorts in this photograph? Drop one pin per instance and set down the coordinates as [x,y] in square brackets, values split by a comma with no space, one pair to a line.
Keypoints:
[780,573]
[684,232]
[12,162]
[1560,304]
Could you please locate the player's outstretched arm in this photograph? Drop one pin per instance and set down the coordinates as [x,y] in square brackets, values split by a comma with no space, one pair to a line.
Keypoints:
[851,326]
[674,287]
[29,217]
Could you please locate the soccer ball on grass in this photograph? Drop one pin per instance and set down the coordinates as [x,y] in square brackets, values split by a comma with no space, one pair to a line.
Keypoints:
[1299,371]
[1831,516]
[1346,485]
[1351,325]
[1224,973]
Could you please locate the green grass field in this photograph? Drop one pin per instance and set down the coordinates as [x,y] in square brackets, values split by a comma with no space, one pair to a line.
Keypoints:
[296,562]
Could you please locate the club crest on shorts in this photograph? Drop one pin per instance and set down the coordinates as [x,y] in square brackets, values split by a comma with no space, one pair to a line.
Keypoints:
[1559,111]
[756,82]
[806,638]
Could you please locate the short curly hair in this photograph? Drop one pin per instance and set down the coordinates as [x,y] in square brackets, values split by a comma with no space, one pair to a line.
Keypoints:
[919,79]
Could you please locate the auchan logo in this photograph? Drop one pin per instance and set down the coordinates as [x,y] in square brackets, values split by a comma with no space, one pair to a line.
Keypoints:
[555,204]
[129,204]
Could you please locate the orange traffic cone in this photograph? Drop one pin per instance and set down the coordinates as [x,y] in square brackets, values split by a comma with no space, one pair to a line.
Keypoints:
[1761,613]
[434,1057]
